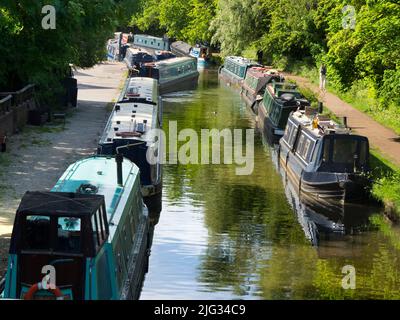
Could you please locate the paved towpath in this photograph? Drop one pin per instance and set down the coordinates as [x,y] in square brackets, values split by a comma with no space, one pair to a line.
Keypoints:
[380,137]
[38,156]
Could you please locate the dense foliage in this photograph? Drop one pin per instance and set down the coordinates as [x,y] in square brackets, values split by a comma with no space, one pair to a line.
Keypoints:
[31,54]
[360,43]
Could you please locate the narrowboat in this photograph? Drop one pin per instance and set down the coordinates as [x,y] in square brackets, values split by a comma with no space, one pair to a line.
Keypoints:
[253,87]
[129,132]
[181,49]
[173,75]
[279,100]
[323,159]
[135,57]
[160,55]
[234,70]
[202,54]
[143,40]
[90,234]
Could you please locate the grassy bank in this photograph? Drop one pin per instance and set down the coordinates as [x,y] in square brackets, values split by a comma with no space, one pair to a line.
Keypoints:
[360,96]
[385,174]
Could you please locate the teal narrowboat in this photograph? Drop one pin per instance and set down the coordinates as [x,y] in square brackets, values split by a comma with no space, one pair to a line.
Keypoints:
[173,75]
[234,70]
[144,40]
[92,230]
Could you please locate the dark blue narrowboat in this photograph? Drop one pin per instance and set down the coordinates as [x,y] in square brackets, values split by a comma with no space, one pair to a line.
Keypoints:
[323,159]
[279,100]
[129,132]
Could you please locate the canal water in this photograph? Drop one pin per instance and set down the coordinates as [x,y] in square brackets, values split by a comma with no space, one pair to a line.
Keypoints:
[224,236]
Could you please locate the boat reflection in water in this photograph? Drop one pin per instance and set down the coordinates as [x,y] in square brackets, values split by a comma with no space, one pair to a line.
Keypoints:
[323,220]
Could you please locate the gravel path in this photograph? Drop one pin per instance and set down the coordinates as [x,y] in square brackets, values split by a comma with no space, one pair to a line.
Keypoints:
[380,137]
[37,157]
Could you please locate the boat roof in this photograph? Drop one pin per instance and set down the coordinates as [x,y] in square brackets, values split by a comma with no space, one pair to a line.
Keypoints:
[59,203]
[99,171]
[147,36]
[141,88]
[181,46]
[124,123]
[240,60]
[135,50]
[264,71]
[172,61]
[326,125]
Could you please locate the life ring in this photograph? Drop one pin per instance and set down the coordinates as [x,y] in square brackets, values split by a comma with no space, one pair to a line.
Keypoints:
[37,287]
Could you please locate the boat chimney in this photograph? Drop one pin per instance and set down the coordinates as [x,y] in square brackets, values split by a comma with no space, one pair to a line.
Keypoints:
[119,159]
[320,107]
[345,121]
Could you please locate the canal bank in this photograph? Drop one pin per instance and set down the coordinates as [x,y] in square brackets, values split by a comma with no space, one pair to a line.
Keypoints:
[223,236]
[39,155]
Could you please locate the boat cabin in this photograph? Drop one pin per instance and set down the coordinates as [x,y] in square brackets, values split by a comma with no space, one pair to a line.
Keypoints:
[237,66]
[157,43]
[280,99]
[139,89]
[176,74]
[56,229]
[134,58]
[129,132]
[324,157]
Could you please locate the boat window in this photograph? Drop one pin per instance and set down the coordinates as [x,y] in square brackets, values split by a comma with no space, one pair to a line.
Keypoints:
[95,228]
[68,235]
[306,149]
[327,147]
[288,131]
[37,233]
[309,154]
[293,135]
[300,145]
[344,150]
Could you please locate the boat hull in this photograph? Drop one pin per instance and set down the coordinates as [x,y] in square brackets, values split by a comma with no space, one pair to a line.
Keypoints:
[323,186]
[271,133]
[188,82]
[230,79]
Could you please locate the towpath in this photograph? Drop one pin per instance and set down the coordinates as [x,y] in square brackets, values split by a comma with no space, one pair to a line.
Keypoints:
[38,156]
[380,137]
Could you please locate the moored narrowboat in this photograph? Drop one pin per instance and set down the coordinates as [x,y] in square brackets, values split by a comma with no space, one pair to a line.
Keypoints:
[253,87]
[129,132]
[173,75]
[90,233]
[202,54]
[323,159]
[234,70]
[135,57]
[157,43]
[279,100]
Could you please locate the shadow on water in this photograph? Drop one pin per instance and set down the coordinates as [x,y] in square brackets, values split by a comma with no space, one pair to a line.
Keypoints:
[224,236]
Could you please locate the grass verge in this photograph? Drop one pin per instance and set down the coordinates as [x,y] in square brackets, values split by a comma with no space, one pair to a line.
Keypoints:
[359,96]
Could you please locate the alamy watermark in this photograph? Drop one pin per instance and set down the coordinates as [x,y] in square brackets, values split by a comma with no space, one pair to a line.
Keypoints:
[213,146]
[349,18]
[49,20]
[349,280]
